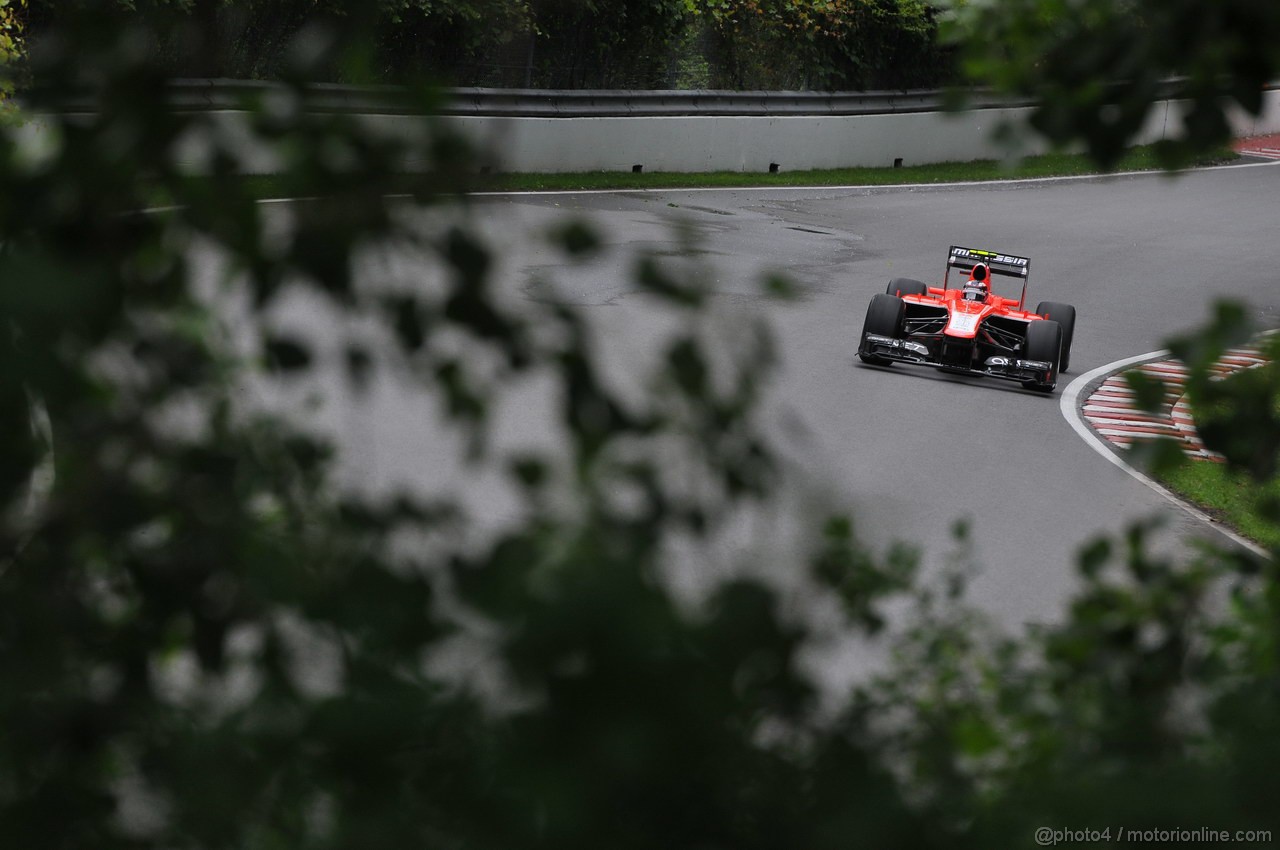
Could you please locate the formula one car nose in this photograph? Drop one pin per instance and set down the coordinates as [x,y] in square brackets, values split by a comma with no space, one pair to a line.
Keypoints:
[969,328]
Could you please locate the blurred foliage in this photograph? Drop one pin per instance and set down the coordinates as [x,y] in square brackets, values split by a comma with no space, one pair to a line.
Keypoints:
[1237,415]
[206,642]
[1236,411]
[1136,711]
[1096,67]
[12,40]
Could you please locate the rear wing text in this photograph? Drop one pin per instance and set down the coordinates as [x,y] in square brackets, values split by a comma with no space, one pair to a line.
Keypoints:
[1006,264]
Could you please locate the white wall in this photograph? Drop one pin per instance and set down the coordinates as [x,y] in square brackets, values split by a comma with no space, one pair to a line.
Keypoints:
[718,143]
[701,143]
[714,143]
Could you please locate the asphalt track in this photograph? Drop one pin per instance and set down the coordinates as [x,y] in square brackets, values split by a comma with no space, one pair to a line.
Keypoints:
[908,450]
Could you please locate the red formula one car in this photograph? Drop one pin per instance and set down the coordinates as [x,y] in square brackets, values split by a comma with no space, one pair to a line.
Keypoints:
[968,328]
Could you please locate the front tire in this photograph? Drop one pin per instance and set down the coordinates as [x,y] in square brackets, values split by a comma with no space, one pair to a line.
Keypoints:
[1064,315]
[884,318]
[901,286]
[1044,342]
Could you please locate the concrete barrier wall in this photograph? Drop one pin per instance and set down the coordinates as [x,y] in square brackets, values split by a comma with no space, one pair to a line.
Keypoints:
[794,143]
[782,132]
[722,143]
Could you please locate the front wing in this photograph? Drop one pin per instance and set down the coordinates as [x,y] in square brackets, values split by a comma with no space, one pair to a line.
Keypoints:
[998,366]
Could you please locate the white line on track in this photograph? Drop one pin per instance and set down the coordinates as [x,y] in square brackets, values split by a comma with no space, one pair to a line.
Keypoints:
[1068,403]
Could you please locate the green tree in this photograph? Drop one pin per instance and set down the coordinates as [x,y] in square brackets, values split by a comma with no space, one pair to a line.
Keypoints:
[840,45]
[617,44]
[620,44]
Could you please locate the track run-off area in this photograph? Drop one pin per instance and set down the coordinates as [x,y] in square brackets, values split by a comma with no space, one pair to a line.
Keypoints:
[909,451]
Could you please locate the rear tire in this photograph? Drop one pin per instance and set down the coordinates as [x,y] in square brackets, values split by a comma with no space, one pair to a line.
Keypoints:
[884,318]
[901,286]
[1064,315]
[1044,342]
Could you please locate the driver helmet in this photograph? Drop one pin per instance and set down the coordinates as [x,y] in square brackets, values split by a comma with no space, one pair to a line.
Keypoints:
[976,287]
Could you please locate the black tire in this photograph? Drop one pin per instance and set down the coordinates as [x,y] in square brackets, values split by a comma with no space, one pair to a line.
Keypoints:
[884,318]
[901,286]
[1064,315]
[1044,342]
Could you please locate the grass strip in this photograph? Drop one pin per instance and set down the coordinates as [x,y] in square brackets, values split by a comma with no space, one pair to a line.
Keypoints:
[266,187]
[1142,158]
[1232,498]
[1237,500]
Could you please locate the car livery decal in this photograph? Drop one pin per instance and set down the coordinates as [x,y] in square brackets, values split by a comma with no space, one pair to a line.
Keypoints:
[965,324]
[1008,264]
[971,254]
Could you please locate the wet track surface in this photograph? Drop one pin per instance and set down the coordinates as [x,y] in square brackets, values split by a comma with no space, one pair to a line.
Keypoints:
[908,449]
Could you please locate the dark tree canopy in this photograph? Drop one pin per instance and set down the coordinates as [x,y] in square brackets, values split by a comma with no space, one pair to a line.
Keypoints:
[565,44]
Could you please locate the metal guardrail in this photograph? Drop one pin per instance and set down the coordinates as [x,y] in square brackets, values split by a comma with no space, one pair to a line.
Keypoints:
[219,94]
[605,104]
[533,103]
[215,95]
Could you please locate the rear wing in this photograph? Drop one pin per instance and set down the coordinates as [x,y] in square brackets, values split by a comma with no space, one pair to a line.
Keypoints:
[1007,265]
